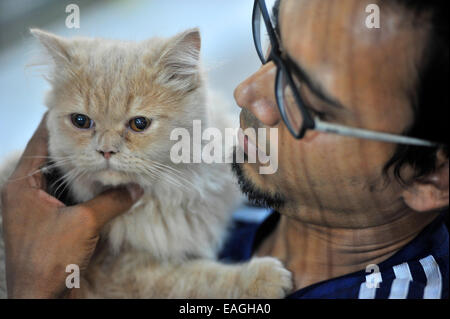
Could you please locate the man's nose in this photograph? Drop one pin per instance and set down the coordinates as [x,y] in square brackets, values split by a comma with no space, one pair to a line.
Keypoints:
[257,94]
[107,154]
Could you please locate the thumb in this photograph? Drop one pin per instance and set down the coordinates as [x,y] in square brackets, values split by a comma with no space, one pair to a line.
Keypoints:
[112,203]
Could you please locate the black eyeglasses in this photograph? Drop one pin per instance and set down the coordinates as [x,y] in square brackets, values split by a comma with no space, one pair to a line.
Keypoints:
[291,105]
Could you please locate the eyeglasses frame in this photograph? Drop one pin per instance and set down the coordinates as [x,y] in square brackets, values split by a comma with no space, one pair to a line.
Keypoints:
[309,122]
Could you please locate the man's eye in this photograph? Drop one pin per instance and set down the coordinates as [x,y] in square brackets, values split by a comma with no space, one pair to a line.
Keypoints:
[139,124]
[81,121]
[311,103]
[320,115]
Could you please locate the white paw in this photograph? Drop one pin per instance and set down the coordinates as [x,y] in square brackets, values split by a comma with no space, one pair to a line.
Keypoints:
[265,277]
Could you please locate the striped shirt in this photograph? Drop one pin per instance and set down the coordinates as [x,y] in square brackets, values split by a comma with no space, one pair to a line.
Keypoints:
[417,271]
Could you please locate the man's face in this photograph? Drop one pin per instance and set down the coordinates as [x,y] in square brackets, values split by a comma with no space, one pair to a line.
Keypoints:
[370,72]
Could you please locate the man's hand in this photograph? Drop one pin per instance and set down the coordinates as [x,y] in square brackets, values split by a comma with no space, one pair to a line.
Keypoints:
[42,236]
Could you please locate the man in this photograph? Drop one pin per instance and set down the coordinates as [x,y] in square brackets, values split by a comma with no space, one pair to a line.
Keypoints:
[363,158]
[349,199]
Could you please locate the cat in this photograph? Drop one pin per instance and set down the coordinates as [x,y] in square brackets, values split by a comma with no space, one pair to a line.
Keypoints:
[116,102]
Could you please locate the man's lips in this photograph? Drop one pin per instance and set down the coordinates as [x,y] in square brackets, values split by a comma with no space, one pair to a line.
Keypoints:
[243,139]
[247,145]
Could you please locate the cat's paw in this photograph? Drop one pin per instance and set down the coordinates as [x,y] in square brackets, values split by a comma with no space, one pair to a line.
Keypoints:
[265,277]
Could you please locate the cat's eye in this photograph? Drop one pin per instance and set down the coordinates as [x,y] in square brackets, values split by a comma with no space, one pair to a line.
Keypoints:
[139,124]
[81,121]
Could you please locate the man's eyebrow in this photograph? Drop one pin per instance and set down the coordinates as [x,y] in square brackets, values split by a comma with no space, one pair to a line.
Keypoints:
[313,85]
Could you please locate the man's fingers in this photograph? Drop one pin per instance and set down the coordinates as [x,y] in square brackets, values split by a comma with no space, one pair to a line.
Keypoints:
[37,147]
[36,152]
[111,203]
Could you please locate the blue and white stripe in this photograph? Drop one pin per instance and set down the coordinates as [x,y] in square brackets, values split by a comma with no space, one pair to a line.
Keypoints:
[401,285]
[433,289]
[368,289]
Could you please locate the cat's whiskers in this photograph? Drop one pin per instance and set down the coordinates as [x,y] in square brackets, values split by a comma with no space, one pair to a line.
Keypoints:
[176,173]
[43,169]
[49,157]
[171,173]
[157,174]
[172,179]
[71,180]
[170,168]
[142,166]
[64,179]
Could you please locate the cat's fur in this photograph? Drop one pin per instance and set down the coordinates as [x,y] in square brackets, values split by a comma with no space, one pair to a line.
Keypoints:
[166,245]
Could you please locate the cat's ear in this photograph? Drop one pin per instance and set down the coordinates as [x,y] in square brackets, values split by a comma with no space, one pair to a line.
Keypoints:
[188,41]
[181,57]
[57,47]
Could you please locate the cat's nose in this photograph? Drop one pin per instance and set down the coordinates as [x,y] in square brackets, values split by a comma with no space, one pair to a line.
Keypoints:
[108,154]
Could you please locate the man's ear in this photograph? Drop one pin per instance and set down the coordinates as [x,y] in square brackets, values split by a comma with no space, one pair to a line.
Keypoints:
[431,191]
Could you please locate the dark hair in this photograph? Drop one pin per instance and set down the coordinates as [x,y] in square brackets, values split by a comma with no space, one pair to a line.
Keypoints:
[429,98]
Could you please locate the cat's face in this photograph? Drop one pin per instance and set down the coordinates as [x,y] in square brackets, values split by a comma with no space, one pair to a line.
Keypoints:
[113,104]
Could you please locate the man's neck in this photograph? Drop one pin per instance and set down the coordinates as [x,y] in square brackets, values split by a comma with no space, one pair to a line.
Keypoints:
[314,253]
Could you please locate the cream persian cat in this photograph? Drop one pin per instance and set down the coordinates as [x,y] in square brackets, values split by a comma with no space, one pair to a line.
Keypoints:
[112,106]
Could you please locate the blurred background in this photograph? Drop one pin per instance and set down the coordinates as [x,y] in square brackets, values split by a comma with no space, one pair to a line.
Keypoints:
[227,46]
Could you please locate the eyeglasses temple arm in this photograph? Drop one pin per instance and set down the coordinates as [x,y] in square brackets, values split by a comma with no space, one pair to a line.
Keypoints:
[370,135]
